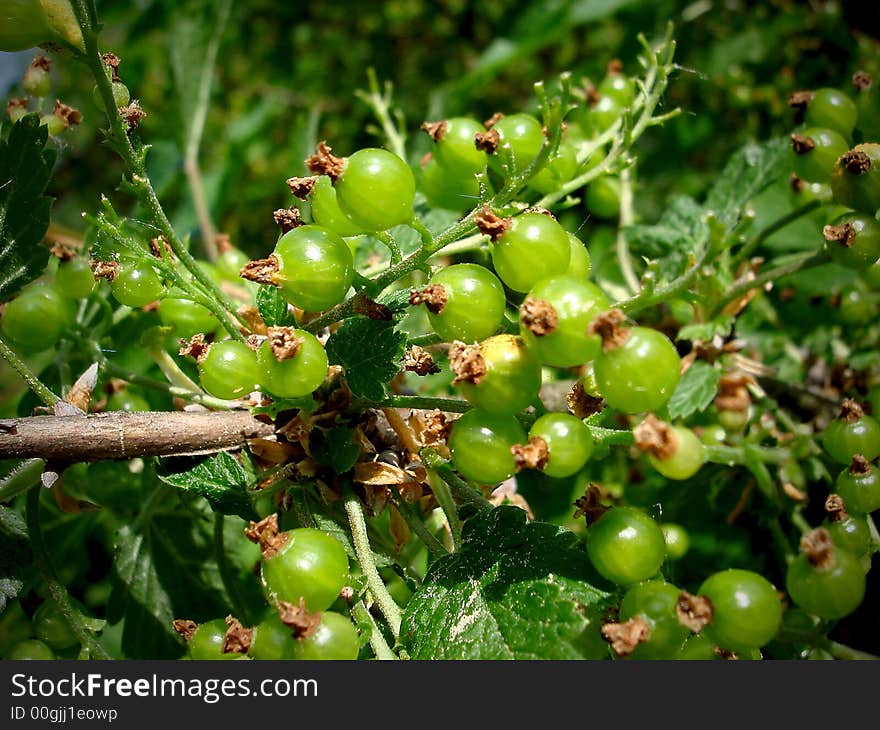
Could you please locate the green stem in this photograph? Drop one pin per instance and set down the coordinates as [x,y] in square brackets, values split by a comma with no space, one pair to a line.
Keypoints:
[627,217]
[135,163]
[842,651]
[610,436]
[377,641]
[34,383]
[424,403]
[22,477]
[444,498]
[387,239]
[381,105]
[649,297]
[56,590]
[415,523]
[737,455]
[795,263]
[364,553]
[775,226]
[227,575]
[458,486]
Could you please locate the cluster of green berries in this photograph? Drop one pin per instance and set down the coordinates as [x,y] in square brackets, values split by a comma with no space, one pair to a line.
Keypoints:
[37,84]
[304,573]
[828,166]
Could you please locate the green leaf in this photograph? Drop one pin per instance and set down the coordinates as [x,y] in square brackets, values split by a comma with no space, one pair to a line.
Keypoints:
[370,352]
[273,307]
[514,591]
[306,404]
[706,330]
[15,555]
[746,174]
[695,390]
[334,447]
[194,39]
[164,568]
[25,169]
[680,232]
[680,228]
[222,481]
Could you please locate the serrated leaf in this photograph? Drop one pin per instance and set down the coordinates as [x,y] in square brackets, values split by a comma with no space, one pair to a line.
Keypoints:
[25,169]
[513,591]
[15,555]
[706,330]
[222,481]
[695,390]
[334,448]
[370,352]
[680,228]
[746,174]
[163,569]
[273,307]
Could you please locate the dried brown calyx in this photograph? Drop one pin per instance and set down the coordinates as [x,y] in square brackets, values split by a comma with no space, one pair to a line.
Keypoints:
[105,270]
[491,224]
[693,612]
[112,61]
[287,218]
[796,184]
[419,361]
[851,411]
[262,271]
[802,144]
[467,363]
[798,100]
[580,403]
[487,141]
[842,235]
[62,251]
[325,163]
[855,162]
[625,637]
[493,120]
[303,622]
[265,534]
[591,93]
[432,296]
[437,428]
[538,316]
[609,327]
[859,466]
[284,342]
[133,114]
[184,627]
[531,455]
[835,508]
[589,506]
[656,437]
[733,392]
[195,347]
[614,67]
[818,548]
[435,130]
[301,187]
[41,63]
[862,80]
[67,114]
[238,639]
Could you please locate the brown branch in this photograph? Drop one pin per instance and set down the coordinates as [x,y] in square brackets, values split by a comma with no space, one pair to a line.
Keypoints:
[121,435]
